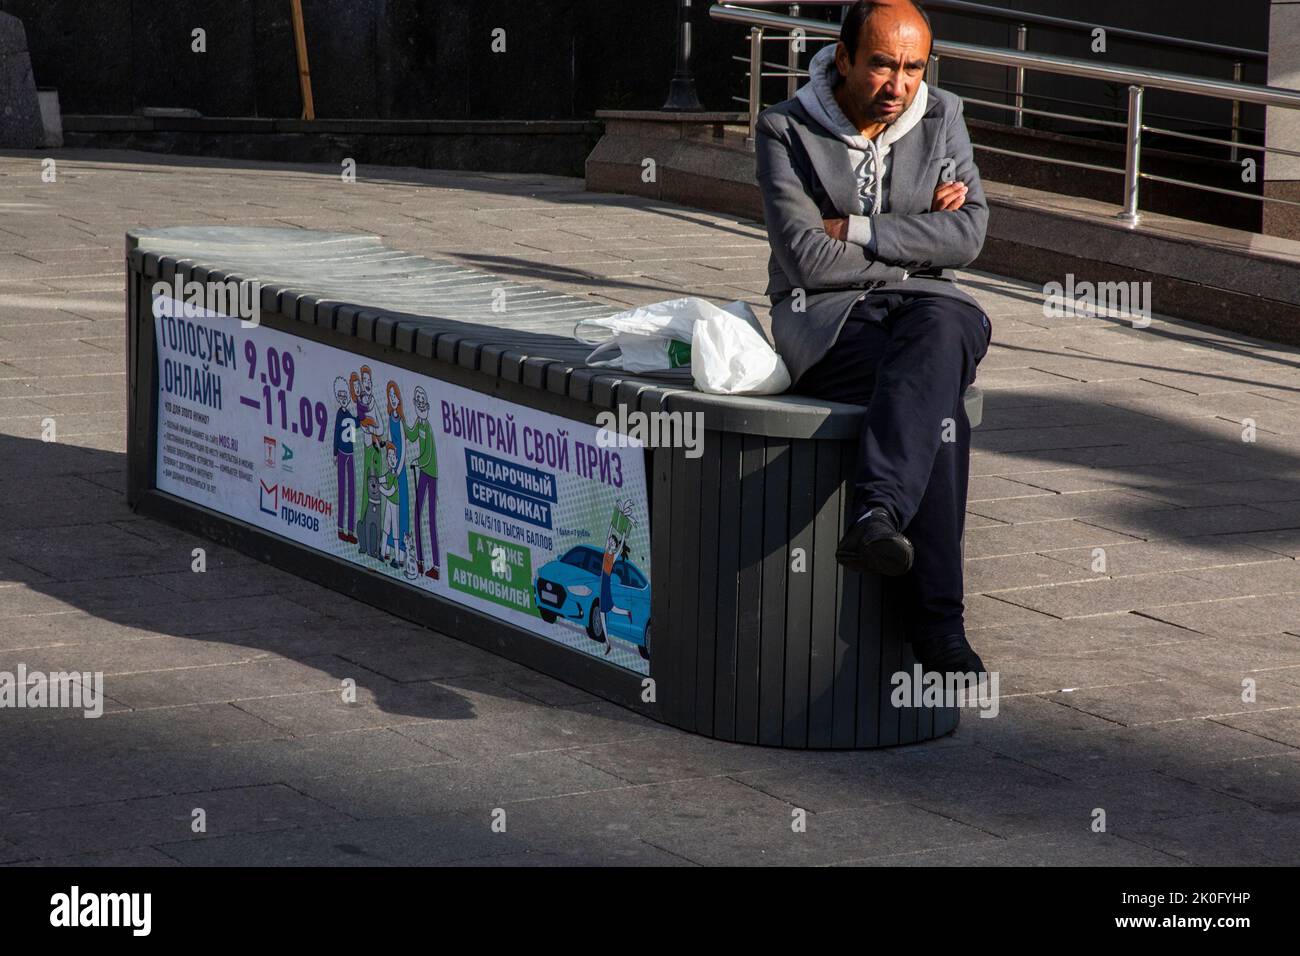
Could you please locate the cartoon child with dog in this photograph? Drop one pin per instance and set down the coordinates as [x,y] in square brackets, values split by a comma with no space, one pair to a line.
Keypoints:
[372,466]
[389,486]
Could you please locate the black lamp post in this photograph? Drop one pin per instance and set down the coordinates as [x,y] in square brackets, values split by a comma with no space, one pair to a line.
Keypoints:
[681,91]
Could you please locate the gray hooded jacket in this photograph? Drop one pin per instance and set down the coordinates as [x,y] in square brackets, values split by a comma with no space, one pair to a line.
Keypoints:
[868,157]
[806,173]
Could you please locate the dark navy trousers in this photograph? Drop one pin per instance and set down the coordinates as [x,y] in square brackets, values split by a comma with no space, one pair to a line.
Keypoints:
[908,358]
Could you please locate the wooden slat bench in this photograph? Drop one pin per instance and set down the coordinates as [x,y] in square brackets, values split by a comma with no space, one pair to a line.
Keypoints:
[754,632]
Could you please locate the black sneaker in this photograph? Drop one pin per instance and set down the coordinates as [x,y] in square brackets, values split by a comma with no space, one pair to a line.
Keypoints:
[874,544]
[950,654]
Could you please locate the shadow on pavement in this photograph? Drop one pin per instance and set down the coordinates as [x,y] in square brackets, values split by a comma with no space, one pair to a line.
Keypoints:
[265,652]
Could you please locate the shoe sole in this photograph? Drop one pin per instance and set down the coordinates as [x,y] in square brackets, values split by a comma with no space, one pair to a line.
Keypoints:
[888,556]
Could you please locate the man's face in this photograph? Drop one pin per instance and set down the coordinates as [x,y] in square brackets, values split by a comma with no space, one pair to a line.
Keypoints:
[886,72]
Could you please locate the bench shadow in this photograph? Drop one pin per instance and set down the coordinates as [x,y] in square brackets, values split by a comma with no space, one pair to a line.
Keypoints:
[86,549]
[76,542]
[81,511]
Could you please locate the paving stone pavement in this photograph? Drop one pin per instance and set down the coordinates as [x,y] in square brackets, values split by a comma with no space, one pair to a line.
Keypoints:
[1132,567]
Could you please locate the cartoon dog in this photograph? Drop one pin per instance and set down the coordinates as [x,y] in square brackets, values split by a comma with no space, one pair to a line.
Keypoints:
[411,571]
[371,526]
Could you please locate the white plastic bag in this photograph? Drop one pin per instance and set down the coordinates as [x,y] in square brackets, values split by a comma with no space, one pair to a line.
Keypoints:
[640,353]
[723,345]
[730,356]
[649,338]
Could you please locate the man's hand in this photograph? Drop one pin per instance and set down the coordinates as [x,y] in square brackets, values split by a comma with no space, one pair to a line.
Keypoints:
[837,228]
[949,197]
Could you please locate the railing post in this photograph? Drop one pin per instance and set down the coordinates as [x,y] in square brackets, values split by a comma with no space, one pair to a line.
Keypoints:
[792,58]
[1236,111]
[1132,157]
[932,71]
[755,80]
[1022,40]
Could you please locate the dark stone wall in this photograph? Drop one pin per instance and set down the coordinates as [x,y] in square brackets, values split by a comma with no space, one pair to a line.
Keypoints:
[431,59]
[388,59]
[20,116]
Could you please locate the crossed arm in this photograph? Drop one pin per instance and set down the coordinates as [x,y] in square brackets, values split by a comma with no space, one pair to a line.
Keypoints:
[807,254]
[949,197]
[814,252]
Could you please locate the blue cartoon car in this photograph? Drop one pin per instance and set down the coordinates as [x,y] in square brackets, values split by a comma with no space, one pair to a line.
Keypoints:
[569,587]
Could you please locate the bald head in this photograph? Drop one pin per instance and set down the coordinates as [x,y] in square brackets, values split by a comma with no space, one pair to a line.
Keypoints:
[883,14]
[882,54]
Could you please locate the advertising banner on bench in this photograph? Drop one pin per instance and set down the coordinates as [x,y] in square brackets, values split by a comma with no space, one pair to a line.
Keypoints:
[535,519]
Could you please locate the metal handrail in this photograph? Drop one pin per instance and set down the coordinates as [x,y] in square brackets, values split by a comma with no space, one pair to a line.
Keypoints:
[965,7]
[1218,189]
[768,38]
[1075,164]
[1047,113]
[1137,76]
[1047,98]
[1044,62]
[1042,19]
[1137,79]
[1216,141]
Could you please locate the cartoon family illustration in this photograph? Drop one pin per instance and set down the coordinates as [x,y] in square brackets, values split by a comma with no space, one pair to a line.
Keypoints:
[382,527]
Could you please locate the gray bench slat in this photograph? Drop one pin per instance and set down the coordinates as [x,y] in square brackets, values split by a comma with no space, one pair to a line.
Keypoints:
[775,569]
[729,602]
[799,606]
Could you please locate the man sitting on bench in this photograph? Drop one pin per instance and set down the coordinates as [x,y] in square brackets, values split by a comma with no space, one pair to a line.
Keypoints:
[870,193]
